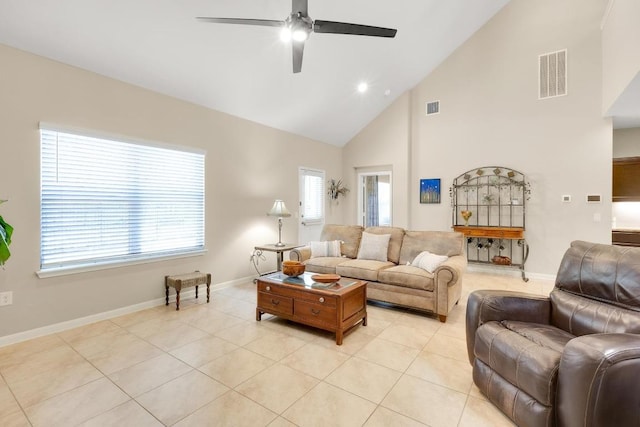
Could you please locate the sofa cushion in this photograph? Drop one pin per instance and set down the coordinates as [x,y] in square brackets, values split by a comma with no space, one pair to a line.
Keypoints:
[349,235]
[525,354]
[407,276]
[362,269]
[447,243]
[428,261]
[325,248]
[323,265]
[395,242]
[374,246]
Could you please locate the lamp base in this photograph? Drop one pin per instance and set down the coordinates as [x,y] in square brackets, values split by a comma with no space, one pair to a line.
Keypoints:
[279,244]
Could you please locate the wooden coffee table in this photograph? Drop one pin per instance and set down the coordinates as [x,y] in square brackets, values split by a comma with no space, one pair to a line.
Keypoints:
[333,307]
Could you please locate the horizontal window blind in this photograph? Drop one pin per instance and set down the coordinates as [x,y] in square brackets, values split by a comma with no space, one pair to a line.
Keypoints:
[313,203]
[111,201]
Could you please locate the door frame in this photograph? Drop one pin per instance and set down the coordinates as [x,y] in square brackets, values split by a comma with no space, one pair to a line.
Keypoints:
[360,184]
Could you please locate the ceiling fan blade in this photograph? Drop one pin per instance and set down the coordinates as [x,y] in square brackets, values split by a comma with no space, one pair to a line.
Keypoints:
[300,6]
[297,49]
[242,21]
[355,29]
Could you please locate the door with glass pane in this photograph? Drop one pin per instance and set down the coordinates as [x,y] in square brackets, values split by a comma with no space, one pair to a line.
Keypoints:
[374,199]
[311,205]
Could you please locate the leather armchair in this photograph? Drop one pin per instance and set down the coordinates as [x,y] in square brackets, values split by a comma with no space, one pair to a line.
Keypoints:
[570,359]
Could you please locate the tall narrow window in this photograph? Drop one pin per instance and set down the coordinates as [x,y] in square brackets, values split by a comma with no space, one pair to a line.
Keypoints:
[312,196]
[105,201]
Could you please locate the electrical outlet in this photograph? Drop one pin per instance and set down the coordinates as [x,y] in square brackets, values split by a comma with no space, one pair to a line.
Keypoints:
[6,298]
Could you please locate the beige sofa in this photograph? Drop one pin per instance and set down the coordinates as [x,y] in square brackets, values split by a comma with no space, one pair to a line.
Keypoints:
[393,281]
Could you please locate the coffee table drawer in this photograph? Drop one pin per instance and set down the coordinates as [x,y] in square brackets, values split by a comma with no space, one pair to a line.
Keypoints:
[315,314]
[275,304]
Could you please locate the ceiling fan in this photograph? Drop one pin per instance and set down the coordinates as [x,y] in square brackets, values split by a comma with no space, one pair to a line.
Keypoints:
[298,26]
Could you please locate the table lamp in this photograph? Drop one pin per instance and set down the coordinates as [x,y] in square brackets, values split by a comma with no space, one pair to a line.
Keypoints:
[281,211]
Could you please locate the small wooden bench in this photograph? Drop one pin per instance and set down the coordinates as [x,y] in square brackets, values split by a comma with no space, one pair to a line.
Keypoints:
[185,281]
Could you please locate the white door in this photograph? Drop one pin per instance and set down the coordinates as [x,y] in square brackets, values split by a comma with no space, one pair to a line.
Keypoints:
[311,206]
[374,199]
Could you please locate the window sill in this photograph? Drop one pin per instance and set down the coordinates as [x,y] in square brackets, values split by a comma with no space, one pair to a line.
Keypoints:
[85,268]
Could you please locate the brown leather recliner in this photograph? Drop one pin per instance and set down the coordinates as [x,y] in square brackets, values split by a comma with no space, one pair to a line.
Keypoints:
[570,359]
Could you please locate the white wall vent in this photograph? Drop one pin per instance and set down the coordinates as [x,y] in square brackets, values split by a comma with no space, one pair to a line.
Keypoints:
[552,74]
[433,107]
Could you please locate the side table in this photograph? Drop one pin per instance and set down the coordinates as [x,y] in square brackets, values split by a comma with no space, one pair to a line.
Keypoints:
[279,250]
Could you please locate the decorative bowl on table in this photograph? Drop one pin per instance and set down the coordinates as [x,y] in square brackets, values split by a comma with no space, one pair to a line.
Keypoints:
[292,268]
[325,278]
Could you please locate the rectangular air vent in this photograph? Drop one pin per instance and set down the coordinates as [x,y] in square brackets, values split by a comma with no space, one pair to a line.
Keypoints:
[433,107]
[552,74]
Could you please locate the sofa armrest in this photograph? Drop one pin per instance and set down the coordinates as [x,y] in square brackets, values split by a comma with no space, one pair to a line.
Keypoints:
[452,268]
[447,279]
[302,253]
[598,381]
[488,305]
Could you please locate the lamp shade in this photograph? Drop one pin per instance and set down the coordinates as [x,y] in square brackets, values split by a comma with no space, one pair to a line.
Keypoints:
[279,210]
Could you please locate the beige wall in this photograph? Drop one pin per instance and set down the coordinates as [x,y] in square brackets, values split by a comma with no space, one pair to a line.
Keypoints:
[383,145]
[626,142]
[247,167]
[490,115]
[620,52]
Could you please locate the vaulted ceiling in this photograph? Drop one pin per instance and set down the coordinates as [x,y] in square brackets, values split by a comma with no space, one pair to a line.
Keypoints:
[246,71]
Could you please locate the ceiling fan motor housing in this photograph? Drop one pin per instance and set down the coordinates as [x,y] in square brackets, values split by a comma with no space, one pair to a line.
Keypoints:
[297,22]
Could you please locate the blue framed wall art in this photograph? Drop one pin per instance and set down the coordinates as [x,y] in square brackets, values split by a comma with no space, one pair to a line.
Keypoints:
[430,190]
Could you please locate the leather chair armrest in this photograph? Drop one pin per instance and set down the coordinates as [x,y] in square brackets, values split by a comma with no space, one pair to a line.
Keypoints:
[488,305]
[598,382]
[302,253]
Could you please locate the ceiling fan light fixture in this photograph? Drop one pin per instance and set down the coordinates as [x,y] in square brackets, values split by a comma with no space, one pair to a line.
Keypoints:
[286,35]
[299,35]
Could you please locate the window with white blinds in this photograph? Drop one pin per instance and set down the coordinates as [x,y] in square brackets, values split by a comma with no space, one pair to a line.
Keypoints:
[313,196]
[105,201]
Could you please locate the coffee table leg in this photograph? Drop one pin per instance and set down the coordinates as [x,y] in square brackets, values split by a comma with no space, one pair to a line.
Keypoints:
[339,337]
[208,292]
[364,320]
[196,291]
[166,295]
[258,315]
[177,300]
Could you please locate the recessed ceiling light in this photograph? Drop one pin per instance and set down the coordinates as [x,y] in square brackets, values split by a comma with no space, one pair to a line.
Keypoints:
[362,87]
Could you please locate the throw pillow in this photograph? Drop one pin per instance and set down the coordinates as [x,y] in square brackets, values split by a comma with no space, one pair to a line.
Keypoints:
[374,246]
[428,261]
[323,249]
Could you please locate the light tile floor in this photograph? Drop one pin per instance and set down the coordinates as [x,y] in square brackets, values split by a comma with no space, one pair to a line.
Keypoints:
[214,365]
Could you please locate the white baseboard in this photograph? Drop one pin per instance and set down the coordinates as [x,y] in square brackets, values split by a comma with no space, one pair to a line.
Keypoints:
[508,271]
[82,321]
